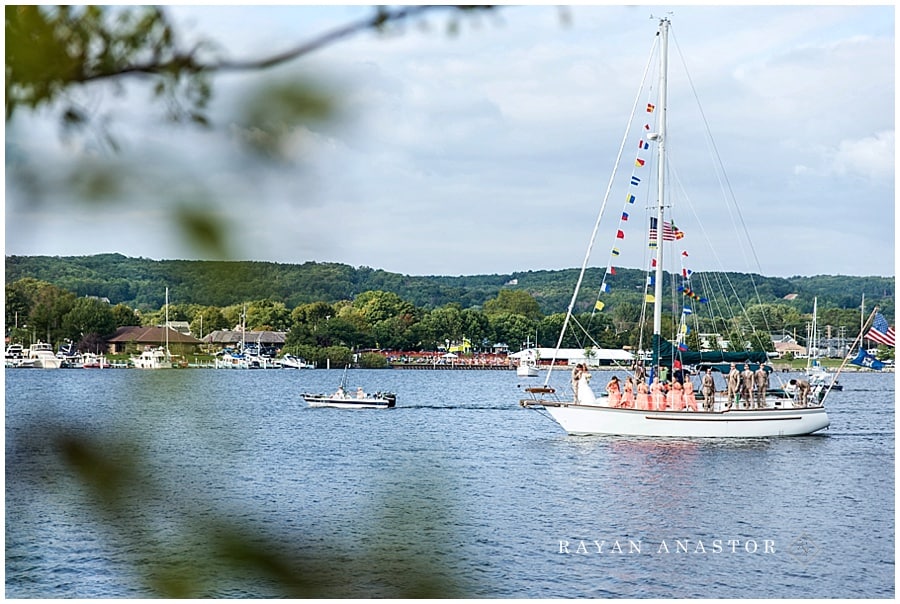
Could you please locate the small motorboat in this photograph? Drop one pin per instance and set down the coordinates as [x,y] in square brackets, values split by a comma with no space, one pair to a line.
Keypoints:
[356,400]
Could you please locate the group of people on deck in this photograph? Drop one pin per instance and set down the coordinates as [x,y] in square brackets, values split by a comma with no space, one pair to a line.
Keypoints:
[657,396]
[745,387]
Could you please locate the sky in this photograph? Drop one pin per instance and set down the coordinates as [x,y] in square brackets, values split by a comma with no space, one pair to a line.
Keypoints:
[490,151]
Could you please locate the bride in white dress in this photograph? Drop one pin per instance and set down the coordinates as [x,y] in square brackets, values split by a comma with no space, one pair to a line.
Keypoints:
[585,394]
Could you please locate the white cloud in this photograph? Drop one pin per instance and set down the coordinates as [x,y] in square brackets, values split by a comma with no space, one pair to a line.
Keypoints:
[489,151]
[871,158]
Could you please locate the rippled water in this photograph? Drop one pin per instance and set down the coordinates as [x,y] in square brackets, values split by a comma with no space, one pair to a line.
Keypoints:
[458,481]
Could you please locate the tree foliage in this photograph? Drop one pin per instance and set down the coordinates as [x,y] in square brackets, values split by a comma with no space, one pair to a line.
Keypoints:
[141,283]
[50,49]
[516,302]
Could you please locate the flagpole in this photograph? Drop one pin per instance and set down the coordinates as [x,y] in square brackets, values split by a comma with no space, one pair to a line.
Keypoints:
[862,312]
[847,358]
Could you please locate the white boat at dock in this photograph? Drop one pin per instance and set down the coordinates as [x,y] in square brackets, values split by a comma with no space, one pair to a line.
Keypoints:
[527,363]
[153,358]
[41,356]
[289,361]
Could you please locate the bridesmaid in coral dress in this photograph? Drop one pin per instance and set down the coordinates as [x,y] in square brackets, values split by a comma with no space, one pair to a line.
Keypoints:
[657,399]
[675,397]
[690,399]
[628,393]
[615,395]
[643,396]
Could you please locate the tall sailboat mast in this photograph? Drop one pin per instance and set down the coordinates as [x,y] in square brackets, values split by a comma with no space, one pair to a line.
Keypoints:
[660,187]
[167,323]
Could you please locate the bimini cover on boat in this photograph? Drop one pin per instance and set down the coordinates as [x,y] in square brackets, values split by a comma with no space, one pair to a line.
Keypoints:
[711,358]
[726,367]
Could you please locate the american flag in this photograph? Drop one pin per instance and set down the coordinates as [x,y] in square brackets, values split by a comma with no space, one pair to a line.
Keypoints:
[670,231]
[880,331]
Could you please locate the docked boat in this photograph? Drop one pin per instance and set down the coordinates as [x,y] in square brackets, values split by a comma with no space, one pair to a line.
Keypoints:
[527,364]
[89,360]
[156,358]
[291,362]
[153,358]
[724,413]
[41,355]
[14,354]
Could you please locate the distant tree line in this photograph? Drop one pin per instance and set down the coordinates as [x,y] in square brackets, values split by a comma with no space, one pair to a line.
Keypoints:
[140,283]
[380,319]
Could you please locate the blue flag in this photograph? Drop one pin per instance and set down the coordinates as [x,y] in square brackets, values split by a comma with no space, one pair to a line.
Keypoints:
[864,359]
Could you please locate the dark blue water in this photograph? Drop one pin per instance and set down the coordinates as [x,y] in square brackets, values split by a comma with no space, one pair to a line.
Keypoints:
[458,487]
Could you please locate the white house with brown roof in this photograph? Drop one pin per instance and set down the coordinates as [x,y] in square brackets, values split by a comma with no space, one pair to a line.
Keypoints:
[785,344]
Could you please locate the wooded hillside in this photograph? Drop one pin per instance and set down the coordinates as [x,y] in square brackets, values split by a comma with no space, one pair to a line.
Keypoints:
[140,283]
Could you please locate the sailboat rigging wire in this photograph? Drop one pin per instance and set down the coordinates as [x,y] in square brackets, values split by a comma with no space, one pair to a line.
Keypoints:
[587,334]
[722,275]
[587,255]
[724,181]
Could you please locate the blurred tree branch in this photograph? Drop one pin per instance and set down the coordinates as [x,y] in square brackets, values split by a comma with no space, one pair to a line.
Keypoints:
[50,49]
[55,53]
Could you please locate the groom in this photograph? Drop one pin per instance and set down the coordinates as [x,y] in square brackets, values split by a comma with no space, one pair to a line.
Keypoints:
[576,377]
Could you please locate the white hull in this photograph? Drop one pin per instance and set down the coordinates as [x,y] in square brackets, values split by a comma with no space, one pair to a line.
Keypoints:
[151,359]
[736,423]
[349,402]
[231,362]
[45,360]
[150,365]
[527,371]
[48,362]
[293,362]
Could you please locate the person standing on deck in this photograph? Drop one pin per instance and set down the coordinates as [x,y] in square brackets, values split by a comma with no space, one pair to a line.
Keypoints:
[675,396]
[576,377]
[643,395]
[639,372]
[657,399]
[615,395]
[708,388]
[628,393]
[733,382]
[761,377]
[747,385]
[690,399]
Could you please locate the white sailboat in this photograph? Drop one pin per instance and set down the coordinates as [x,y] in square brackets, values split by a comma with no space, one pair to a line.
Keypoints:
[774,413]
[816,374]
[156,358]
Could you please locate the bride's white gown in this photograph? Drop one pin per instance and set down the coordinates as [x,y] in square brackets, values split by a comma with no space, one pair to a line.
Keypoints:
[585,394]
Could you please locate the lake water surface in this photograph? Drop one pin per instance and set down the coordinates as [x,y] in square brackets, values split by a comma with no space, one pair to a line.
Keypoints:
[457,487]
